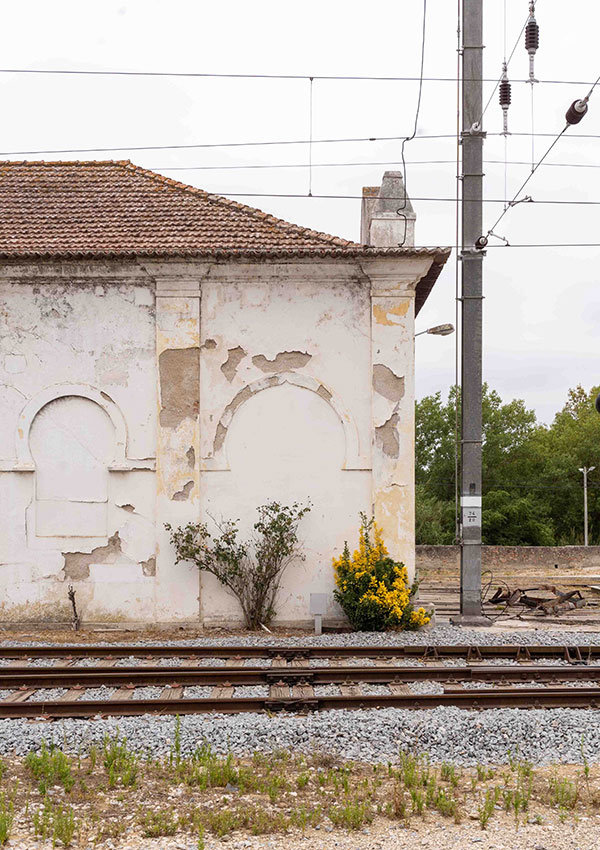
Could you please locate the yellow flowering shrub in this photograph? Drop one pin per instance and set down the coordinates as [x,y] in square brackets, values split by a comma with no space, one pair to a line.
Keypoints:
[372,589]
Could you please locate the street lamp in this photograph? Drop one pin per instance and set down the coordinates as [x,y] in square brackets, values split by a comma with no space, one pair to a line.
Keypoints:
[438,330]
[585,470]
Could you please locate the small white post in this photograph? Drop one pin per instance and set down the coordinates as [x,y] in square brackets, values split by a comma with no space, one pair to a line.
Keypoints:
[318,607]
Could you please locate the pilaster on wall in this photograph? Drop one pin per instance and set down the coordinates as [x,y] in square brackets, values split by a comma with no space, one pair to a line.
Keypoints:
[178,440]
[393,401]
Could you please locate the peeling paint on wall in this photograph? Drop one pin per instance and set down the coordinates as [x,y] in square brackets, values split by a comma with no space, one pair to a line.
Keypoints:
[283,362]
[191,457]
[209,344]
[324,393]
[129,508]
[179,372]
[230,366]
[77,564]
[391,315]
[149,566]
[387,383]
[219,440]
[386,436]
[183,494]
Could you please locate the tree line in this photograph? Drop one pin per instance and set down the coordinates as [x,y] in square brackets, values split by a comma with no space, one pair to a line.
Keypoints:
[532,487]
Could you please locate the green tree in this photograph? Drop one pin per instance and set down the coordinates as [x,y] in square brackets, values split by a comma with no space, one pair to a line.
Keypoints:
[571,442]
[512,451]
[510,520]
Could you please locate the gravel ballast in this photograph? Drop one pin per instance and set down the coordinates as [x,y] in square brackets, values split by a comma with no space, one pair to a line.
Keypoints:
[371,735]
[445,734]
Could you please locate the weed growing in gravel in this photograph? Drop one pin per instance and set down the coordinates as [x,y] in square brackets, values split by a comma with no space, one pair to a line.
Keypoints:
[302,781]
[448,774]
[50,767]
[156,823]
[447,805]
[175,753]
[487,805]
[518,784]
[55,821]
[121,763]
[352,815]
[397,807]
[302,816]
[92,758]
[563,793]
[6,818]
[485,773]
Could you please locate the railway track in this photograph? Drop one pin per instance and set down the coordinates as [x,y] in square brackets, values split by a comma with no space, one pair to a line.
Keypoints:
[60,681]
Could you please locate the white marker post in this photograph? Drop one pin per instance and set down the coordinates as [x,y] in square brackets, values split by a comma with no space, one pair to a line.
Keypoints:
[318,607]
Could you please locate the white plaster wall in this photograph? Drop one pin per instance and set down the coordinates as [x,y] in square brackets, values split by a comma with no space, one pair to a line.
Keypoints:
[63,335]
[290,406]
[287,441]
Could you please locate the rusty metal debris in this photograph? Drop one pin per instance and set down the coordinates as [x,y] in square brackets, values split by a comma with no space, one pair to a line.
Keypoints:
[547,598]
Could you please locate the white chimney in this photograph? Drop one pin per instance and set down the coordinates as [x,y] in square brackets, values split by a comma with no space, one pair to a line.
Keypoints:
[387,215]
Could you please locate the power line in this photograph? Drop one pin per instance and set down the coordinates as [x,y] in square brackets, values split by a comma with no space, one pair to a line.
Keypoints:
[211,75]
[399,198]
[269,143]
[570,121]
[361,164]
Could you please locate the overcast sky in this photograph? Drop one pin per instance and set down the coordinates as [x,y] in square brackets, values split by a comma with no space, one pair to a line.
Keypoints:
[541,309]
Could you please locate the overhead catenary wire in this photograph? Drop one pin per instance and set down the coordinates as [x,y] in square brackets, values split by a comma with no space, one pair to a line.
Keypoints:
[267,143]
[241,76]
[361,165]
[573,116]
[326,197]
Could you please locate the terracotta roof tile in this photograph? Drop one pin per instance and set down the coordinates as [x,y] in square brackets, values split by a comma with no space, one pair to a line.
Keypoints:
[116,209]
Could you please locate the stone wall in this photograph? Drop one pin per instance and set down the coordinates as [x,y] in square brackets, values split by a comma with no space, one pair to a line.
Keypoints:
[444,561]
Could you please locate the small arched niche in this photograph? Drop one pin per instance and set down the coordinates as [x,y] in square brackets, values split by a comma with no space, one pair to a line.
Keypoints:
[72,442]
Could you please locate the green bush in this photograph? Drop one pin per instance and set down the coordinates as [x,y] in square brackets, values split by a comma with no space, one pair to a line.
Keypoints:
[372,589]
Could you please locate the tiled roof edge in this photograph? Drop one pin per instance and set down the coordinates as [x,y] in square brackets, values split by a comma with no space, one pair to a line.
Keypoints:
[252,212]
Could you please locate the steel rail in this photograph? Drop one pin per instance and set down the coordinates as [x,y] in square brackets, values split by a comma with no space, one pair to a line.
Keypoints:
[575,653]
[528,698]
[129,677]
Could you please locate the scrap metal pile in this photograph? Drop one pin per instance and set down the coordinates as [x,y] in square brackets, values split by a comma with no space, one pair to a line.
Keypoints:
[543,598]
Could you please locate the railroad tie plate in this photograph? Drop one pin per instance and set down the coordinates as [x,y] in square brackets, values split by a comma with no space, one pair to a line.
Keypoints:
[297,704]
